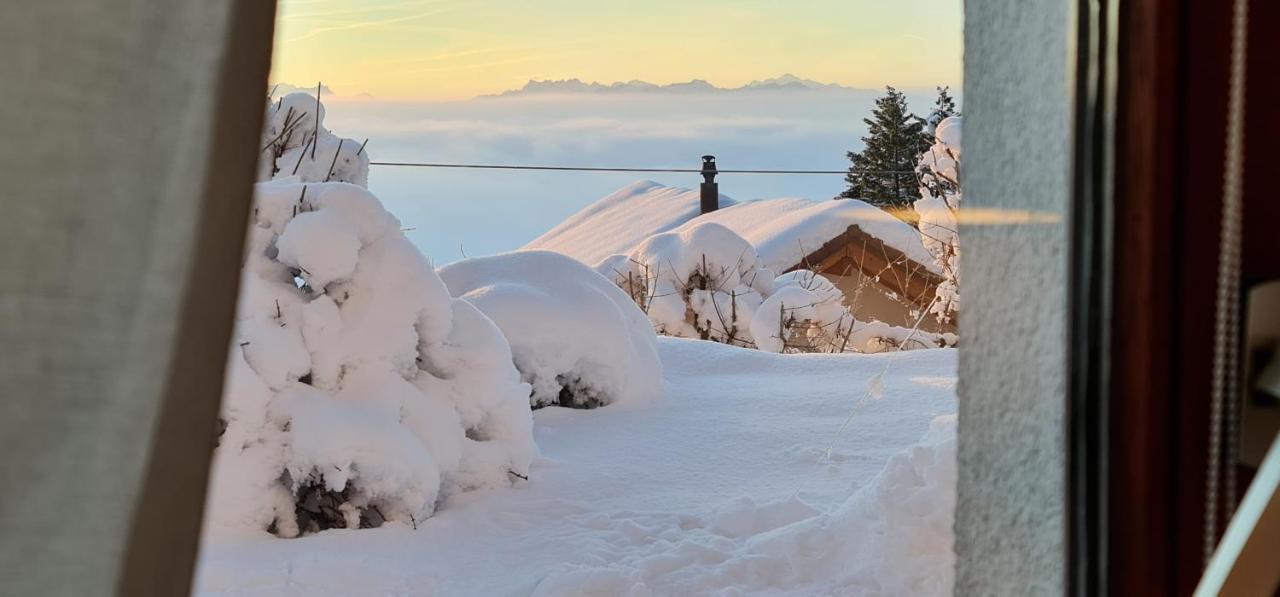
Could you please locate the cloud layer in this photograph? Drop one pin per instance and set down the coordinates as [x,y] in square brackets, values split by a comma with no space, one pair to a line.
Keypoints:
[484,212]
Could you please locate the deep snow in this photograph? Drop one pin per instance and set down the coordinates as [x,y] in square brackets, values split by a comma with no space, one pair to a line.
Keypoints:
[783,231]
[720,487]
[576,338]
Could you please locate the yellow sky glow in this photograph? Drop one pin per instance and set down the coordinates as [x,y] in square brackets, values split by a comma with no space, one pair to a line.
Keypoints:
[457,49]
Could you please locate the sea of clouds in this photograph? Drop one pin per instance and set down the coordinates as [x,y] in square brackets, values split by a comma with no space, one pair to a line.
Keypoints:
[451,213]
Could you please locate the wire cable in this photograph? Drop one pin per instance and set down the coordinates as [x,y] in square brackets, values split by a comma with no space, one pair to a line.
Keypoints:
[619,169]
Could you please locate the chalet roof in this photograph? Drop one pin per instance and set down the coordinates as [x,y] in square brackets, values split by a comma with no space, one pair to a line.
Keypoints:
[784,231]
[622,220]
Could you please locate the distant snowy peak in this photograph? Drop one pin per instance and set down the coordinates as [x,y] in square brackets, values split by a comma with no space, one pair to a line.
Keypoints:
[790,81]
[786,82]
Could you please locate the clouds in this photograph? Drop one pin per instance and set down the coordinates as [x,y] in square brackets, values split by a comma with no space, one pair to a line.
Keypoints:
[484,212]
[619,118]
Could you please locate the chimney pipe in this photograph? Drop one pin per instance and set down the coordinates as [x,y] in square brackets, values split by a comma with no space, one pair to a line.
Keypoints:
[710,190]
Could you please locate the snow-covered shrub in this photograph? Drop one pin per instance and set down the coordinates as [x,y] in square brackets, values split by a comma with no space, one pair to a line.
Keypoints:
[704,282]
[806,312]
[707,282]
[358,390]
[939,171]
[576,338]
[296,143]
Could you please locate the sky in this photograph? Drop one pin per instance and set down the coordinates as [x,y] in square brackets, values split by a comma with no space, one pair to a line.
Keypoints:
[458,49]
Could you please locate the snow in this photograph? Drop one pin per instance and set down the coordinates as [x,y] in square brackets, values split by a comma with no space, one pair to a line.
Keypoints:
[720,487]
[358,390]
[621,220]
[366,389]
[320,244]
[941,196]
[578,339]
[702,281]
[783,231]
[948,133]
[295,144]
[801,296]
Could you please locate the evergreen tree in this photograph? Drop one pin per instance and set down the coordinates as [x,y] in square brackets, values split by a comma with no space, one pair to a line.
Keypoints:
[883,172]
[943,107]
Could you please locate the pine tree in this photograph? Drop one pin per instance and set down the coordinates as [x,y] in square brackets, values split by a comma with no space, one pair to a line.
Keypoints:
[883,172]
[943,107]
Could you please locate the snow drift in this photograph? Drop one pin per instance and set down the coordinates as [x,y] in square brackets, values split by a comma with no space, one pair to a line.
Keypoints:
[892,537]
[575,337]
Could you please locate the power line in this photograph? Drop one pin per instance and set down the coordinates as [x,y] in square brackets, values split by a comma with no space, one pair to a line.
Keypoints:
[602,169]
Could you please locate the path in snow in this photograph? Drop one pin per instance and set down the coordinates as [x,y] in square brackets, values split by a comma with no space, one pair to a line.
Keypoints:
[665,491]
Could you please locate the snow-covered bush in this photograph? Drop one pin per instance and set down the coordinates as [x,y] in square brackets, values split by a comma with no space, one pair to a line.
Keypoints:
[358,390]
[707,282]
[577,339]
[806,312]
[296,143]
[704,282]
[939,172]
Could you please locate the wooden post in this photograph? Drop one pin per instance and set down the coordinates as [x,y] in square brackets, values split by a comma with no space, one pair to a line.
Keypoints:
[710,190]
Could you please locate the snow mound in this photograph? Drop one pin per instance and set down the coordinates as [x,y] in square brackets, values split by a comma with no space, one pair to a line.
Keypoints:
[745,518]
[576,338]
[295,143]
[358,390]
[621,220]
[892,537]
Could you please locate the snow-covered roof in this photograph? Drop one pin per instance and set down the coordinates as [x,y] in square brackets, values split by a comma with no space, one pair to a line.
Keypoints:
[784,231]
[620,221]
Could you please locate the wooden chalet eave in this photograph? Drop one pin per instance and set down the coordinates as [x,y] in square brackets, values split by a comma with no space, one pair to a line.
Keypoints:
[855,250]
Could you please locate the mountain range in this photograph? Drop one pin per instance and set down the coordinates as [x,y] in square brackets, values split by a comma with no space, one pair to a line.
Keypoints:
[574,86]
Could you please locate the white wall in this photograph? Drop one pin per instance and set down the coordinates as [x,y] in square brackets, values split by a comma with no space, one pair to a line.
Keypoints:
[1010,520]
